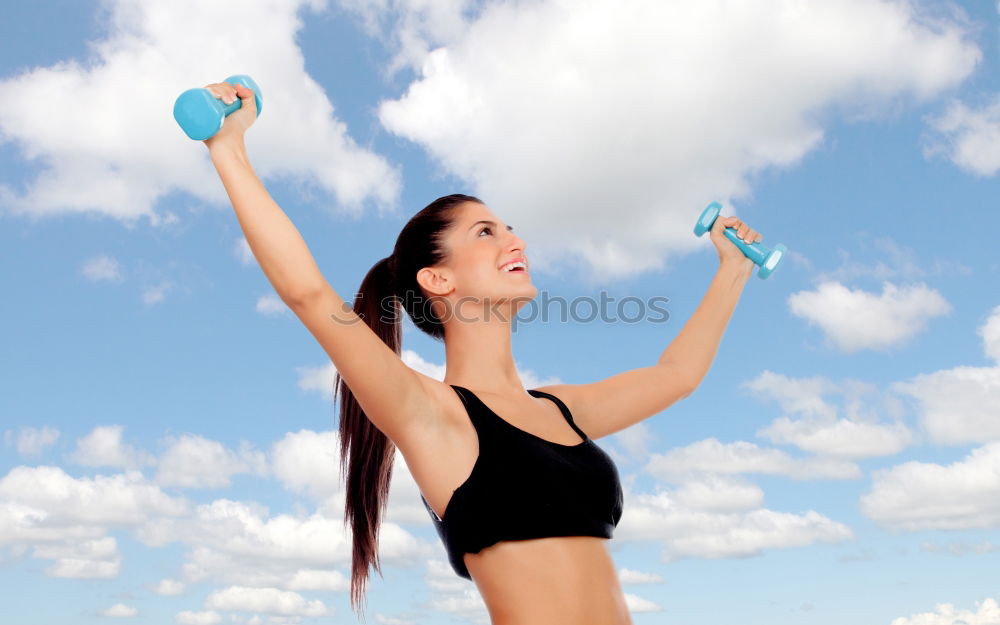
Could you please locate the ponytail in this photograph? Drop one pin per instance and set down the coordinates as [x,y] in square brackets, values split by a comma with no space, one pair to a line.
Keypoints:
[389,289]
[365,451]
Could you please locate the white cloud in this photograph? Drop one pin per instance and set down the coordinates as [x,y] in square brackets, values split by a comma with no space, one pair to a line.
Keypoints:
[31,442]
[990,331]
[817,426]
[590,128]
[271,304]
[414,361]
[960,405]
[878,257]
[192,461]
[636,603]
[853,320]
[713,493]
[169,587]
[100,268]
[104,447]
[242,252]
[239,543]
[97,152]
[452,594]
[187,617]
[712,456]
[844,438]
[918,495]
[67,519]
[59,500]
[307,461]
[987,612]
[319,379]
[969,137]
[691,533]
[90,559]
[120,610]
[315,579]
[960,548]
[157,293]
[630,576]
[957,405]
[634,442]
[266,600]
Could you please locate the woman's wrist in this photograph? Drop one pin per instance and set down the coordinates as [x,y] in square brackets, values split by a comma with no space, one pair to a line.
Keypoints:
[227,148]
[740,267]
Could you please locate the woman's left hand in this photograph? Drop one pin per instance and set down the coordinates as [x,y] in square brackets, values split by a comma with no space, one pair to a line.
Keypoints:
[728,252]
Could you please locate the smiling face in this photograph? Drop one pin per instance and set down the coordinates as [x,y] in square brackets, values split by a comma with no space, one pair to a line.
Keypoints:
[479,245]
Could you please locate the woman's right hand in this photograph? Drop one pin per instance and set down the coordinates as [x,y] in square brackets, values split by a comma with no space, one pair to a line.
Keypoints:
[237,122]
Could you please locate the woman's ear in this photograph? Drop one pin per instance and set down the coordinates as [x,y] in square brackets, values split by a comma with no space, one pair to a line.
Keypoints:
[434,281]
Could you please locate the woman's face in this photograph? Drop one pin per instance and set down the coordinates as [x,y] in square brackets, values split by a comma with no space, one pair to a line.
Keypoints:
[479,246]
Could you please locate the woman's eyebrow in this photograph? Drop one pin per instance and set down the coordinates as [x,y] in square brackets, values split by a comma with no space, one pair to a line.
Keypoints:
[490,223]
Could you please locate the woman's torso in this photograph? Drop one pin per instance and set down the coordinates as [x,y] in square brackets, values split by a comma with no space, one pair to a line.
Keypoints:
[555,579]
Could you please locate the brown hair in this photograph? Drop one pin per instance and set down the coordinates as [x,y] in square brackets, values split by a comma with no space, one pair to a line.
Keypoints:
[365,451]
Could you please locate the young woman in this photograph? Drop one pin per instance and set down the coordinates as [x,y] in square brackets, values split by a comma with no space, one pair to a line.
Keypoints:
[522,498]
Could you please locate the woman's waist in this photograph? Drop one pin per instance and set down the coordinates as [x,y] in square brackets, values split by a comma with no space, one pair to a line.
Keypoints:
[558,579]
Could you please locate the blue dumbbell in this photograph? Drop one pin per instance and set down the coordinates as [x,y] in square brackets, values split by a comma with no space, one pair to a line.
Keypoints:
[767,259]
[200,114]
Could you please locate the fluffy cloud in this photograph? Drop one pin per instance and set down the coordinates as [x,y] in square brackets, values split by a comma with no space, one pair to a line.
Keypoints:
[452,594]
[688,532]
[89,559]
[968,136]
[918,495]
[987,612]
[563,98]
[31,441]
[266,600]
[990,331]
[120,610]
[169,587]
[307,461]
[853,320]
[96,152]
[712,456]
[239,543]
[192,461]
[101,268]
[104,447]
[961,404]
[271,305]
[67,519]
[59,500]
[629,576]
[636,603]
[815,424]
[188,617]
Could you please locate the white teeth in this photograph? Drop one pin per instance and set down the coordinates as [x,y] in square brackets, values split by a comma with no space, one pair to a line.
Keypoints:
[513,265]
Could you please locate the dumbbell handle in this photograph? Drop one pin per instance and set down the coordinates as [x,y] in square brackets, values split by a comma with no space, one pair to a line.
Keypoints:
[753,251]
[200,114]
[767,259]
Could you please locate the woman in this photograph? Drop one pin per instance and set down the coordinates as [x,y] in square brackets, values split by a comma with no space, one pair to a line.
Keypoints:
[524,502]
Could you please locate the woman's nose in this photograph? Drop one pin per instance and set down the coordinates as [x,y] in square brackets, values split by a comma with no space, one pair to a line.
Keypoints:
[516,242]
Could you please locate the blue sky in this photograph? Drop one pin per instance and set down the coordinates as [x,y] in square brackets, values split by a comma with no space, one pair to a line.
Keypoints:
[168,431]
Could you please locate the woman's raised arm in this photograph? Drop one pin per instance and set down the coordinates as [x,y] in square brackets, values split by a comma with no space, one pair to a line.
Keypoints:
[274,240]
[394,396]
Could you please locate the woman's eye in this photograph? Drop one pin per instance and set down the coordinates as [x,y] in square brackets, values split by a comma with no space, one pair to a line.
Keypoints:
[486,229]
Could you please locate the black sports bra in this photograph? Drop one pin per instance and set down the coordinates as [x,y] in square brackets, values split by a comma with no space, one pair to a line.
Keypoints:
[523,486]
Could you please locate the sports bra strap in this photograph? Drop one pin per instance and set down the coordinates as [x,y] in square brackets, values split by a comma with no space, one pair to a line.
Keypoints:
[562,408]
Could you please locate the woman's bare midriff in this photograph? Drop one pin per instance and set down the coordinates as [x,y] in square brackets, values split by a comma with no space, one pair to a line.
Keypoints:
[561,580]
